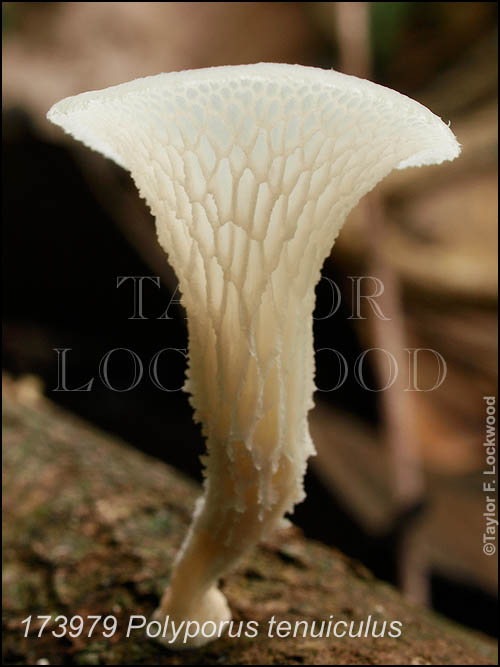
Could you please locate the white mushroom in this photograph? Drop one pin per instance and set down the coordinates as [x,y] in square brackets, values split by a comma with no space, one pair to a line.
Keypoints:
[250,172]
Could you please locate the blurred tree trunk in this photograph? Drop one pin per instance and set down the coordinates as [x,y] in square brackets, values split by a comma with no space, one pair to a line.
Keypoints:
[92,527]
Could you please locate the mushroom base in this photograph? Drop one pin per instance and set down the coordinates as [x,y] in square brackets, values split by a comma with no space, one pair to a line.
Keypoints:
[187,632]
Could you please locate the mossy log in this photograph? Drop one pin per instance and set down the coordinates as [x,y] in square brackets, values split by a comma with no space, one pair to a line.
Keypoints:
[91,527]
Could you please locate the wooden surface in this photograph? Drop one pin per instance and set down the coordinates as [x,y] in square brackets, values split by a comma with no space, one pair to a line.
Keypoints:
[91,526]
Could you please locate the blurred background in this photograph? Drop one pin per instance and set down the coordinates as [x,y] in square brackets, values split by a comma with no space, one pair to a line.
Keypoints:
[397,482]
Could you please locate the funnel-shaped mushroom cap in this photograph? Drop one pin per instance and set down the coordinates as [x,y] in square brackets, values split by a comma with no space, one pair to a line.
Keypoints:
[233,156]
[267,122]
[250,172]
[244,153]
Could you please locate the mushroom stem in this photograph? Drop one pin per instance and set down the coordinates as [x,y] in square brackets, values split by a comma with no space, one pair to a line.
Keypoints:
[257,438]
[250,172]
[211,549]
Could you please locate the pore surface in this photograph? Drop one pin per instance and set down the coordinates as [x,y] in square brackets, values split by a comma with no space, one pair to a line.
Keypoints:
[250,172]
